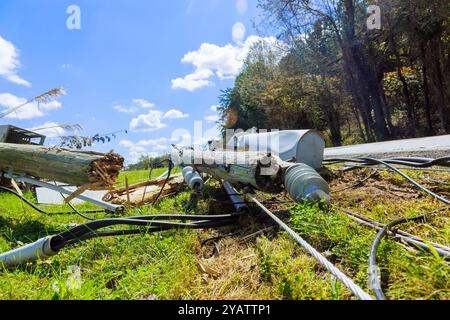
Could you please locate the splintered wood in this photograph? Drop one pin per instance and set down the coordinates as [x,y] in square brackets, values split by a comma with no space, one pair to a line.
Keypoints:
[104,171]
[146,192]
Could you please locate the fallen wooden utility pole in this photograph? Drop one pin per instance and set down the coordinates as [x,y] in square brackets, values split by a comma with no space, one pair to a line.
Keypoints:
[67,166]
[262,171]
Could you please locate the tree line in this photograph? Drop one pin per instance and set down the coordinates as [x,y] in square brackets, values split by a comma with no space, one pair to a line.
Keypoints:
[333,73]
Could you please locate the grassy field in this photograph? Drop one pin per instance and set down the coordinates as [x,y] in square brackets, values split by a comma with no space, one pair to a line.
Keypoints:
[172,264]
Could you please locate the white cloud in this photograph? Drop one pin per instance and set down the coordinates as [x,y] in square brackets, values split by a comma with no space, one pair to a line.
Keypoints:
[137,104]
[9,63]
[143,103]
[193,81]
[49,129]
[225,62]
[148,122]
[238,32]
[214,108]
[123,109]
[53,105]
[29,111]
[175,114]
[241,6]
[67,66]
[213,118]
[221,60]
[141,148]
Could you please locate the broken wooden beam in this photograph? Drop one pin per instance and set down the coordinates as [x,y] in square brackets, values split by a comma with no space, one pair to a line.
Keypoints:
[145,193]
[73,167]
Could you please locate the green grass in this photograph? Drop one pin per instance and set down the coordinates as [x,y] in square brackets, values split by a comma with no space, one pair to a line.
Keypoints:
[272,266]
[138,267]
[141,176]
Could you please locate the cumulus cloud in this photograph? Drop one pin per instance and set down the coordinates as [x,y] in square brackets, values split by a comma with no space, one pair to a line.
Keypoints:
[143,103]
[241,6]
[193,81]
[29,111]
[49,129]
[137,104]
[153,120]
[214,108]
[213,118]
[123,109]
[150,121]
[175,114]
[9,63]
[142,148]
[155,147]
[210,59]
[238,32]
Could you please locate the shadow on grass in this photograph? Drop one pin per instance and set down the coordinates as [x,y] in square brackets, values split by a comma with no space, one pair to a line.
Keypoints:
[26,232]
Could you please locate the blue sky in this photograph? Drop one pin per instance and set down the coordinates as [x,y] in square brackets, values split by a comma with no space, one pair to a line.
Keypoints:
[150,67]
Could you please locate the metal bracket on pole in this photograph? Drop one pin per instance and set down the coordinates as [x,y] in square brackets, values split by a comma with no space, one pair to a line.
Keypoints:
[108,206]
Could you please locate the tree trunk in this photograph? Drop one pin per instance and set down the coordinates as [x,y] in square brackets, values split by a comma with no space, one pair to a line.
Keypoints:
[438,85]
[67,166]
[426,92]
[406,94]
[365,77]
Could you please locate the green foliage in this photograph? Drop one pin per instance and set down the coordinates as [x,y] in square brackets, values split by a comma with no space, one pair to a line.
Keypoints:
[337,76]
[146,163]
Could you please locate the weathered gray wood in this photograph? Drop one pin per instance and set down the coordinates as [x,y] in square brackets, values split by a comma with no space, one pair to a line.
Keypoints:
[260,170]
[67,166]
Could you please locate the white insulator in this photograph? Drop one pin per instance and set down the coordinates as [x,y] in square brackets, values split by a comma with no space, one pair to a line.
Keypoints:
[193,178]
[304,184]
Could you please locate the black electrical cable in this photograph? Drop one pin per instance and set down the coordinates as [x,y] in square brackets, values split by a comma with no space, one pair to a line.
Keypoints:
[36,208]
[147,221]
[90,229]
[75,210]
[171,166]
[373,271]
[384,163]
[412,162]
[157,164]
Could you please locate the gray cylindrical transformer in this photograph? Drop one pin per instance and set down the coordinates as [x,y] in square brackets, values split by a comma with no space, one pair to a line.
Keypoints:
[304,184]
[193,178]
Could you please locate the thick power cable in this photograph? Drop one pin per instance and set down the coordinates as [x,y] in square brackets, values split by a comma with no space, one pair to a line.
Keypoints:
[415,162]
[169,172]
[353,287]
[384,163]
[374,276]
[410,239]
